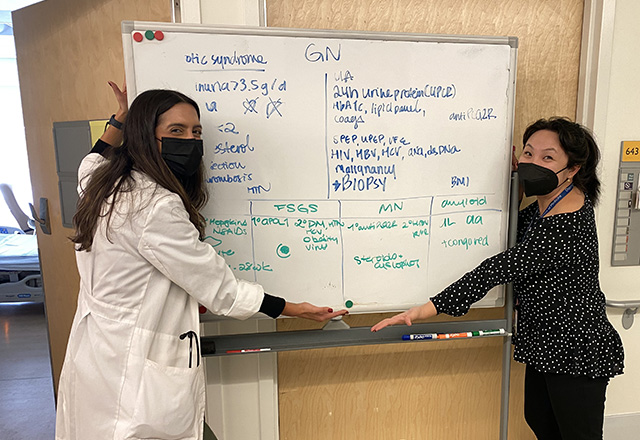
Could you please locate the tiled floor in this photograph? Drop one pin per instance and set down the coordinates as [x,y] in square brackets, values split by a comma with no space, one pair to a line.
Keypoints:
[27,409]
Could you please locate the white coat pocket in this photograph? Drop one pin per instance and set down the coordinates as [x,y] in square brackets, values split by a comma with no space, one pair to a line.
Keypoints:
[170,403]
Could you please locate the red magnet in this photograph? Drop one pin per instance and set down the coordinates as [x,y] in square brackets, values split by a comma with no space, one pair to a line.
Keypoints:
[202,309]
[137,36]
[159,35]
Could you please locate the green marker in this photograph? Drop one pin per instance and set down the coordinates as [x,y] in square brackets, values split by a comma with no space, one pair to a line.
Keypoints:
[499,331]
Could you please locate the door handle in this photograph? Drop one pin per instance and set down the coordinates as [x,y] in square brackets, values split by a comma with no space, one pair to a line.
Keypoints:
[43,218]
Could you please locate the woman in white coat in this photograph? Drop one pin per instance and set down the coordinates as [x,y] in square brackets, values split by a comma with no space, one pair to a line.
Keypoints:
[132,368]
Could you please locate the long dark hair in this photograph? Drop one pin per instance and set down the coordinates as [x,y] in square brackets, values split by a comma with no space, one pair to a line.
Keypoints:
[139,151]
[581,148]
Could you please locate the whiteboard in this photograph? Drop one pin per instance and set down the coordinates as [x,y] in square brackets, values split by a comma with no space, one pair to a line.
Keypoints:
[347,169]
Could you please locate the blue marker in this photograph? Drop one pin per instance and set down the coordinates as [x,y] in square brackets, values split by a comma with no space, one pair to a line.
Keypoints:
[416,337]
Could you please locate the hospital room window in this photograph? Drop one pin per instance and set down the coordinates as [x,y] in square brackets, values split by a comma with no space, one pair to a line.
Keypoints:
[14,165]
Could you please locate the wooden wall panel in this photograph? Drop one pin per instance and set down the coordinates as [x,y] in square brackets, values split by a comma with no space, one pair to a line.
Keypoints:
[441,390]
[67,50]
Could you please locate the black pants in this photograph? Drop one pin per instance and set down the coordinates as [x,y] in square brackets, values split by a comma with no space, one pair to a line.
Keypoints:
[564,407]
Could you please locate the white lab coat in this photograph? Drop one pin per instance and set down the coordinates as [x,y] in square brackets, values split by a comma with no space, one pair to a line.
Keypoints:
[126,372]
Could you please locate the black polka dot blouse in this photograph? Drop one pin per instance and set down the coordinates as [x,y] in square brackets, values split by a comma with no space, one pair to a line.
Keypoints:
[561,325]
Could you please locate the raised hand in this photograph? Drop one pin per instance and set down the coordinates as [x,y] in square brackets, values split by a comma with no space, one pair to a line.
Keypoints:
[121,97]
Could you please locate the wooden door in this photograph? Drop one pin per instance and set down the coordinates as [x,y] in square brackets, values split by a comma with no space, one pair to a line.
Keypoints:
[67,50]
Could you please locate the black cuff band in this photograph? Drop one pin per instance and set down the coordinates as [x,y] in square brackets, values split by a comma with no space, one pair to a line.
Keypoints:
[100,147]
[272,305]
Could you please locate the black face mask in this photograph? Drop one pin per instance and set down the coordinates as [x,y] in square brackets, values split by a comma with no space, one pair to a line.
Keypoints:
[182,156]
[537,180]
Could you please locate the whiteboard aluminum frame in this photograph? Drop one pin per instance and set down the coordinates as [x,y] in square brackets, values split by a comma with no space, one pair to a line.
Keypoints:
[130,26]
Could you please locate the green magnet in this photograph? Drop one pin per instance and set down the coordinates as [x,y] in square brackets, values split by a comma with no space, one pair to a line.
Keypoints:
[349,304]
[149,35]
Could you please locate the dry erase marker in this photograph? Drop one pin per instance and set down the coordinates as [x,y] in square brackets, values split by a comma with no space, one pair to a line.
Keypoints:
[417,337]
[454,335]
[250,350]
[499,331]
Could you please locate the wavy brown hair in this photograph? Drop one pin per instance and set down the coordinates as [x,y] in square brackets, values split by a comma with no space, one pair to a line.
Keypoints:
[139,151]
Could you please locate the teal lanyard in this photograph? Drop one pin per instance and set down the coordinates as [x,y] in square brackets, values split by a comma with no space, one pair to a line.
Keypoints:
[555,201]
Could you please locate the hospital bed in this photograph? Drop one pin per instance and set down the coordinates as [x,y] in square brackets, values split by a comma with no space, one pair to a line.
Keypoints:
[20,277]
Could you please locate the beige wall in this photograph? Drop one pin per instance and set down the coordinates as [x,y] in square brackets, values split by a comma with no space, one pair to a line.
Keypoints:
[444,390]
[67,50]
[617,120]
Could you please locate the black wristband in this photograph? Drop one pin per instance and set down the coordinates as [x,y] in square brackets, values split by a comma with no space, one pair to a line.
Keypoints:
[115,123]
[272,305]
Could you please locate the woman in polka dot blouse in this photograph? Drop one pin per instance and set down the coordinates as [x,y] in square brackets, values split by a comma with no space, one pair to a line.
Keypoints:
[562,334]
